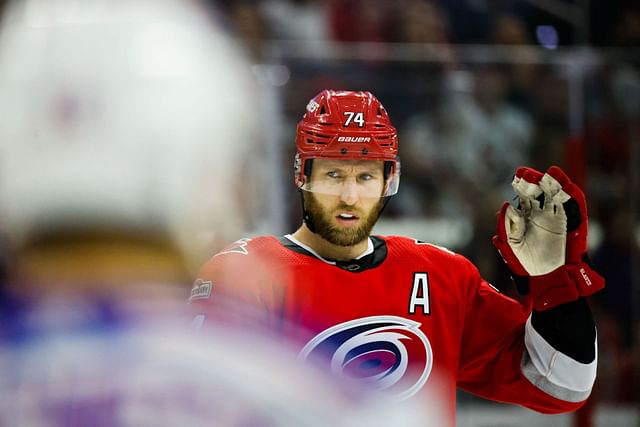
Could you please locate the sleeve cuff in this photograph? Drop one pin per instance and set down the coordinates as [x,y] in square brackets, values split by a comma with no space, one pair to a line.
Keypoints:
[554,372]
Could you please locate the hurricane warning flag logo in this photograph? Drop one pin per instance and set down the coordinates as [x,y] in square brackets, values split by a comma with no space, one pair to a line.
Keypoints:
[387,352]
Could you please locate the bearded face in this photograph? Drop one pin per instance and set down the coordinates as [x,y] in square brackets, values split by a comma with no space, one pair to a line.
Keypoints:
[343,199]
[339,223]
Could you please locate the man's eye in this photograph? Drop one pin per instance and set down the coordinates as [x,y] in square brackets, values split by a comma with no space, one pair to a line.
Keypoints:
[333,174]
[366,177]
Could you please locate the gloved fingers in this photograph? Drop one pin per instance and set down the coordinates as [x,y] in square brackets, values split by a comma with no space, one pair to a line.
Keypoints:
[515,224]
[501,228]
[511,224]
[548,210]
[566,196]
[575,209]
[525,182]
[559,175]
[555,199]
[569,188]
[553,189]
[526,185]
[528,174]
[510,221]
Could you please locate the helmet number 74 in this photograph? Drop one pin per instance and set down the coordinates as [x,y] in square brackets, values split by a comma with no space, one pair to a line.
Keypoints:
[353,117]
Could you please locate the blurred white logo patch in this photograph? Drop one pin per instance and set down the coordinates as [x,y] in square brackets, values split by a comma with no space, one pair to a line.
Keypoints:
[201,289]
[312,106]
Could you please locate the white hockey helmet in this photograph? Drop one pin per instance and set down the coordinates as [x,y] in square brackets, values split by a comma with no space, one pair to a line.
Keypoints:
[129,114]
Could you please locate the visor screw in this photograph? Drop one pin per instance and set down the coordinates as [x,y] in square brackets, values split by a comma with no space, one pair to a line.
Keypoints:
[365,151]
[343,151]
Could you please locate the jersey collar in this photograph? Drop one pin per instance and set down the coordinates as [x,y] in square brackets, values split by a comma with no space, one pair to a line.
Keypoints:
[373,256]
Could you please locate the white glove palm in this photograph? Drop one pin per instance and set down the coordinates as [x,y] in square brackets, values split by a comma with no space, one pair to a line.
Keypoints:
[537,230]
[544,239]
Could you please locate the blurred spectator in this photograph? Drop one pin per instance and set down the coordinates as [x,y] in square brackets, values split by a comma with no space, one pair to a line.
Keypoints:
[421,21]
[408,86]
[296,19]
[551,117]
[248,23]
[604,17]
[471,20]
[627,28]
[610,133]
[522,71]
[361,20]
[618,258]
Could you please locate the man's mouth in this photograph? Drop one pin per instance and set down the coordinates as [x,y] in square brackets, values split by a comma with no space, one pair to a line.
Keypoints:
[347,218]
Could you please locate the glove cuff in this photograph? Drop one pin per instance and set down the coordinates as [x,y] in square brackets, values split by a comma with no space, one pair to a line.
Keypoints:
[562,285]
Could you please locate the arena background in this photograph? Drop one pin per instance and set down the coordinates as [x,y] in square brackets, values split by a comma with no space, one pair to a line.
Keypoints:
[476,88]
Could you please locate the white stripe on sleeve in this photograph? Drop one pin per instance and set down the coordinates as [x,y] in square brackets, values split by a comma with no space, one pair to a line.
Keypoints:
[554,372]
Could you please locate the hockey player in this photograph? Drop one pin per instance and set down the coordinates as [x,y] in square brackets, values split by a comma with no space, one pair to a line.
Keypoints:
[405,316]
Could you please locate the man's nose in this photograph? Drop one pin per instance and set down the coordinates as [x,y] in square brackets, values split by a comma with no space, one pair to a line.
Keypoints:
[349,194]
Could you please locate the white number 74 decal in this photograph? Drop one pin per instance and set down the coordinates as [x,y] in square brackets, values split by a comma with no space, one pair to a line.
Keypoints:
[357,118]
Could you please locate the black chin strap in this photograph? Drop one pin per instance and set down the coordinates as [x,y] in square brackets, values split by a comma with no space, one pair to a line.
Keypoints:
[384,205]
[305,215]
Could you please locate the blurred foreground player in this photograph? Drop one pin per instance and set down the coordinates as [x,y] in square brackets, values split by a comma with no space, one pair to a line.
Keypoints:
[401,315]
[114,155]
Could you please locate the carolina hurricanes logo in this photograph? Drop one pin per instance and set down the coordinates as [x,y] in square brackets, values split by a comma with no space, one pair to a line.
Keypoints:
[388,352]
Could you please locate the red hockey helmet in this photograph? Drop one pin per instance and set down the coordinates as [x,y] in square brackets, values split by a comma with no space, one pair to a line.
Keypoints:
[347,125]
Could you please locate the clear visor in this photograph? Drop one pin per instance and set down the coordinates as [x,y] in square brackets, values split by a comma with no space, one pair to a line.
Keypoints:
[364,178]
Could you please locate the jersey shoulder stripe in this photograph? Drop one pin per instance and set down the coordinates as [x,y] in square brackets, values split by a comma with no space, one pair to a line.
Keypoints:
[250,245]
[401,243]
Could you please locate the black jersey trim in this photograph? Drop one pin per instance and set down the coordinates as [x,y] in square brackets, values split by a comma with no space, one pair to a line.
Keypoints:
[365,263]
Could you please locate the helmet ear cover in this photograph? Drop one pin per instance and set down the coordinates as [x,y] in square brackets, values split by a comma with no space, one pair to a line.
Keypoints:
[388,166]
[308,164]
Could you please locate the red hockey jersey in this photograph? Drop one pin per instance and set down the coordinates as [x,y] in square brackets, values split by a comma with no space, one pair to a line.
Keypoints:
[403,315]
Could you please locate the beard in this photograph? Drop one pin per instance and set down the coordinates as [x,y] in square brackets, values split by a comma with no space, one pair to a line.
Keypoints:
[341,236]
